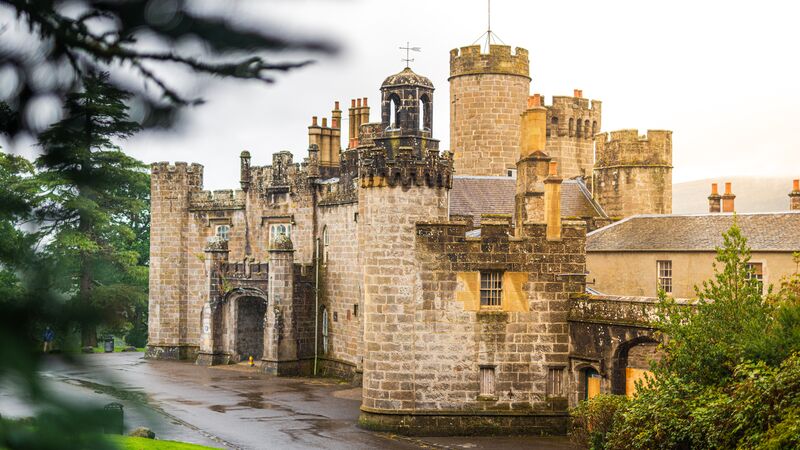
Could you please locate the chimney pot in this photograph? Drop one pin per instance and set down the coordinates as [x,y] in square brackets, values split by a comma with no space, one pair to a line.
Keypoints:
[336,105]
[358,103]
[324,122]
[577,93]
[728,188]
[352,103]
[365,102]
[553,169]
[314,121]
[714,190]
[796,185]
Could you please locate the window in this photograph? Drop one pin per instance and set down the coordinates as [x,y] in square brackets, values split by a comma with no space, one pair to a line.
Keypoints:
[512,173]
[355,310]
[571,127]
[491,288]
[325,243]
[487,381]
[277,229]
[756,271]
[664,275]
[555,377]
[223,231]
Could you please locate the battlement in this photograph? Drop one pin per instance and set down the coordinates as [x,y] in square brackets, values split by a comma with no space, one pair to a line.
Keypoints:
[563,102]
[378,167]
[470,61]
[244,270]
[629,148]
[180,173]
[217,200]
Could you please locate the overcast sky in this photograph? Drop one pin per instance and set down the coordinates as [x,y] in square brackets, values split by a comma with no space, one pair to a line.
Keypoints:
[724,76]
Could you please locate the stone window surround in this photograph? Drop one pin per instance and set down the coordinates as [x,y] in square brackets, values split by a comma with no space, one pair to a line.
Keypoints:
[664,275]
[487,374]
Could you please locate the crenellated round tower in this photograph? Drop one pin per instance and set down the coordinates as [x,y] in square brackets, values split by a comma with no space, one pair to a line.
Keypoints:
[633,173]
[404,179]
[488,94]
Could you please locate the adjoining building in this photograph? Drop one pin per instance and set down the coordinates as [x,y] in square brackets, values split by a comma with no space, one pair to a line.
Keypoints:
[641,254]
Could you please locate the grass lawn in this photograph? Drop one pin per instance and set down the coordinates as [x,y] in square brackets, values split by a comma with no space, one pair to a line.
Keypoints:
[135,443]
[101,349]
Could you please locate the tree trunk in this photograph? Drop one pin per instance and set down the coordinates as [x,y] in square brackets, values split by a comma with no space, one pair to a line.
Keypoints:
[88,327]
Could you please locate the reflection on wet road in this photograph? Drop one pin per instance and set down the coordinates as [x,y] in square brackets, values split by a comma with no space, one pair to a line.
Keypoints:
[236,406]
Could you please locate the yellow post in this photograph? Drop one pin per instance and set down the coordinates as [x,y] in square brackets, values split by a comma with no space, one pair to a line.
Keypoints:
[251,362]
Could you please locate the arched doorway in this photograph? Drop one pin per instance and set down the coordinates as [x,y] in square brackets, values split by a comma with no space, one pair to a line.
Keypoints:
[589,383]
[248,339]
[632,363]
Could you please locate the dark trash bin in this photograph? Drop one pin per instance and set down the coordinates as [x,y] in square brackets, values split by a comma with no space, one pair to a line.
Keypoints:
[113,418]
[108,344]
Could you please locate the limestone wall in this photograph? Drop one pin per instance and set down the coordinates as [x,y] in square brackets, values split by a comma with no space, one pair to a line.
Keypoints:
[634,273]
[488,93]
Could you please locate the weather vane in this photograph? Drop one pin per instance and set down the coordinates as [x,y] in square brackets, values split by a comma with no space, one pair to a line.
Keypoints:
[408,48]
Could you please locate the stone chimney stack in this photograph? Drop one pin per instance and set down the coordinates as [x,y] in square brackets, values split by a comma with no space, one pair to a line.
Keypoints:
[714,200]
[794,196]
[727,199]
[532,166]
[552,203]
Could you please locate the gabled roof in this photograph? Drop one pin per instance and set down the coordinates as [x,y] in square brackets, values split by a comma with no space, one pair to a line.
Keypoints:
[476,195]
[779,231]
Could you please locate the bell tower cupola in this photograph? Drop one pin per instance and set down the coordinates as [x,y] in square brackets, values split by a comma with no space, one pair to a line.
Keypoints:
[407,112]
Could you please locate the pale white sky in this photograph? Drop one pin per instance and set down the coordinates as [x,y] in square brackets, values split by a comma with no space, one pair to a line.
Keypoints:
[723,75]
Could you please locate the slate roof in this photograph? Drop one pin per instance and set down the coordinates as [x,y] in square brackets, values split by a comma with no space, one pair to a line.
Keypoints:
[778,231]
[476,195]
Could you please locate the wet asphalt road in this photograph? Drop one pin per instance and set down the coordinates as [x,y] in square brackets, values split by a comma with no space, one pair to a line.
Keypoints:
[237,407]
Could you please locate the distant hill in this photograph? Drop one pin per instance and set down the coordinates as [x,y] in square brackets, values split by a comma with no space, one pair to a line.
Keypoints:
[752,194]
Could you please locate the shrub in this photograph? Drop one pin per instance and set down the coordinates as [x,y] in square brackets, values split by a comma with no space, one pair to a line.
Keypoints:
[592,420]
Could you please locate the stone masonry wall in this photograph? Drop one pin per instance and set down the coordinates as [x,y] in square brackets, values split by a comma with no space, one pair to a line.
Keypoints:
[171,186]
[386,235]
[340,283]
[488,93]
[633,174]
[453,339]
[571,125]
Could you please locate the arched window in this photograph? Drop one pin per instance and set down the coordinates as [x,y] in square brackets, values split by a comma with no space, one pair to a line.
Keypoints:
[554,125]
[394,112]
[325,244]
[324,314]
[586,129]
[425,118]
[578,128]
[223,232]
[571,127]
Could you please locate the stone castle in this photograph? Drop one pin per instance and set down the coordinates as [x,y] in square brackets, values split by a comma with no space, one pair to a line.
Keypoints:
[356,262]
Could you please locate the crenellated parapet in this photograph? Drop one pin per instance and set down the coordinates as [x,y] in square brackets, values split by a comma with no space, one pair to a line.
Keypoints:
[500,60]
[433,169]
[178,175]
[629,148]
[217,200]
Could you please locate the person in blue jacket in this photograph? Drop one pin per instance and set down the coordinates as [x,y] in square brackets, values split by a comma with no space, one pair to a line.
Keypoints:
[48,337]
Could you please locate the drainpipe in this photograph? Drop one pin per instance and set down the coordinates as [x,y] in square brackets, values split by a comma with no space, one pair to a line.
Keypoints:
[316,303]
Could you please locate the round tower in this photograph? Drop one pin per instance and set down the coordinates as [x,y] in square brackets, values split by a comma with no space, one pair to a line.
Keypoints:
[488,94]
[633,174]
[404,179]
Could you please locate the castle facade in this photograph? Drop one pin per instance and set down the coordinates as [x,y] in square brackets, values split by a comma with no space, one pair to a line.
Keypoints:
[353,262]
